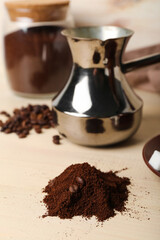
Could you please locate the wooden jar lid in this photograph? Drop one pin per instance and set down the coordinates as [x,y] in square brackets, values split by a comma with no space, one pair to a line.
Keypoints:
[37,10]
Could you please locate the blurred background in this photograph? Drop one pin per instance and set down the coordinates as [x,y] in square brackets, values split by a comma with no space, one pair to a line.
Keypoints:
[142,16]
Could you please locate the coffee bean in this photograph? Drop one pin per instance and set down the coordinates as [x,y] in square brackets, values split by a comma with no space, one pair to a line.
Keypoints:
[16,111]
[33,122]
[26,132]
[30,108]
[23,123]
[5,113]
[63,135]
[1,123]
[45,107]
[22,135]
[73,188]
[52,124]
[56,142]
[27,118]
[56,139]
[39,116]
[79,180]
[8,131]
[16,118]
[42,122]
[33,116]
[38,129]
[37,109]
[46,126]
[24,114]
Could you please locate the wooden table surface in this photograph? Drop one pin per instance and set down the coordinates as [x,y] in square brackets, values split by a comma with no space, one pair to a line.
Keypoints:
[26,165]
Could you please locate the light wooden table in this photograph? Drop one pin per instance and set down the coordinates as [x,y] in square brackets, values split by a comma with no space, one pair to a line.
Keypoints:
[26,165]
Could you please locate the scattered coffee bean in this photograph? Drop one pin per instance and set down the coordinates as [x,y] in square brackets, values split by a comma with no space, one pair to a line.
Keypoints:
[1,123]
[26,118]
[5,113]
[52,124]
[73,188]
[22,135]
[56,139]
[37,129]
[46,126]
[63,135]
[7,131]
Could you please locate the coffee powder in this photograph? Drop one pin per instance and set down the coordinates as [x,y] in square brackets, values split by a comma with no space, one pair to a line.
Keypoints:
[82,190]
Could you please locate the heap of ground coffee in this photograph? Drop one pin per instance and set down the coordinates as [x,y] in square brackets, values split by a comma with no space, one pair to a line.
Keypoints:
[82,190]
[26,118]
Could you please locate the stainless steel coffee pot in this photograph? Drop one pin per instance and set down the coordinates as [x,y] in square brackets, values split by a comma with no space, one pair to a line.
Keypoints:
[97,106]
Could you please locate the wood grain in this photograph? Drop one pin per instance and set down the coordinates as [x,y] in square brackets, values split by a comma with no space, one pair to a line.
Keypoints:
[26,165]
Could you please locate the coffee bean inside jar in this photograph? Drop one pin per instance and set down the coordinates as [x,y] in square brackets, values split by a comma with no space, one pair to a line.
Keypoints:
[37,57]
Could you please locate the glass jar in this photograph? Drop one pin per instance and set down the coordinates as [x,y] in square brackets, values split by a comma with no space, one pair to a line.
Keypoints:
[37,57]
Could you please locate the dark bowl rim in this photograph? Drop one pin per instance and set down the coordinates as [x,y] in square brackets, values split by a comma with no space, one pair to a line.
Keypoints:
[144,156]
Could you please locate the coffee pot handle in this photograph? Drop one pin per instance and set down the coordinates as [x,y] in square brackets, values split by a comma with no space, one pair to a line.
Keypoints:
[140,62]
